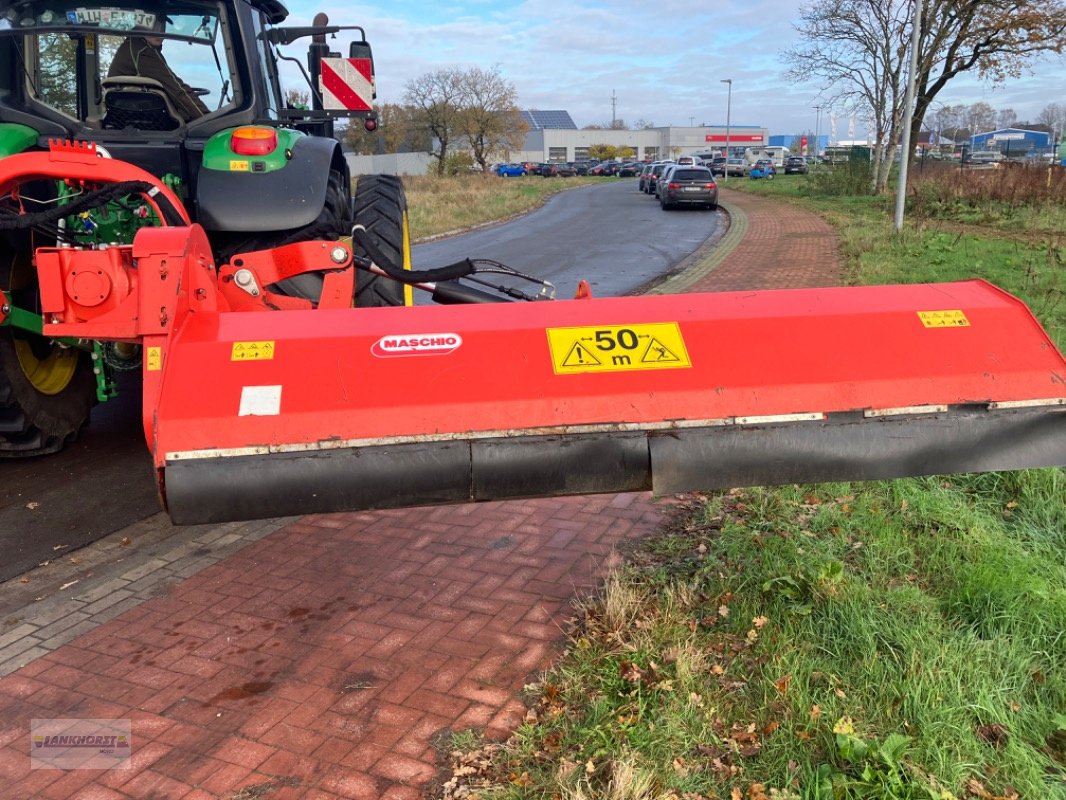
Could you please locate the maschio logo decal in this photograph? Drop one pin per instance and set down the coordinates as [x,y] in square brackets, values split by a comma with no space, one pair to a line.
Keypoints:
[416,344]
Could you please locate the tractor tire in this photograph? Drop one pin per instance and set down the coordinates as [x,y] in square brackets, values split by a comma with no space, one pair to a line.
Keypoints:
[381,207]
[384,213]
[46,391]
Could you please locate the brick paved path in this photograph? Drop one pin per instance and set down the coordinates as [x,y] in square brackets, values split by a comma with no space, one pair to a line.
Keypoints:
[323,660]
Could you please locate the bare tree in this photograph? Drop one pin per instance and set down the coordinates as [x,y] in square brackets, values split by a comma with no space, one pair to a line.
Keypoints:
[297,98]
[994,38]
[950,121]
[399,130]
[980,117]
[1053,116]
[489,120]
[1006,118]
[438,96]
[859,47]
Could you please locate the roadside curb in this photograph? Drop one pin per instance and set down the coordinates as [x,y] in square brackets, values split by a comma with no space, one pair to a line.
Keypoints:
[687,278]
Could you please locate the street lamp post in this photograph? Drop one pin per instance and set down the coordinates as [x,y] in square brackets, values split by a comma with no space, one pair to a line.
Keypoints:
[817,130]
[728,110]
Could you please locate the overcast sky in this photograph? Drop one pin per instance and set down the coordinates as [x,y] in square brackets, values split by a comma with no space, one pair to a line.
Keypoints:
[662,60]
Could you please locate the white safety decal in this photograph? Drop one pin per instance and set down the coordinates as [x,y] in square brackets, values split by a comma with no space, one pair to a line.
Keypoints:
[416,344]
[260,401]
[347,84]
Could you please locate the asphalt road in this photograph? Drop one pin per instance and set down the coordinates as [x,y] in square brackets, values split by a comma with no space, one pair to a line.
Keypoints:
[612,235]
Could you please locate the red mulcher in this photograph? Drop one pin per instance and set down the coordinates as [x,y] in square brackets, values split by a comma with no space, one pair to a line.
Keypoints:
[258,404]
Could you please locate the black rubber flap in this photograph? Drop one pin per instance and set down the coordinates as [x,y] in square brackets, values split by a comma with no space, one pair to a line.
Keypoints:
[852,448]
[543,466]
[283,484]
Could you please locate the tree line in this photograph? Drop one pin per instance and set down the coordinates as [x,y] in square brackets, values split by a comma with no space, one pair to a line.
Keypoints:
[445,112]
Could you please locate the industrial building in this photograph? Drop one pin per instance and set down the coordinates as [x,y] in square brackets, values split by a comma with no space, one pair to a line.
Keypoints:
[553,136]
[1013,142]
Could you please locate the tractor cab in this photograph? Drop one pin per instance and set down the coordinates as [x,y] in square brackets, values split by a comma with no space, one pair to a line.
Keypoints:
[66,66]
[164,85]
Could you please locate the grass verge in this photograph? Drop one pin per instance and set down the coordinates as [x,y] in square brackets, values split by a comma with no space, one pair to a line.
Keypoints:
[890,640]
[444,204]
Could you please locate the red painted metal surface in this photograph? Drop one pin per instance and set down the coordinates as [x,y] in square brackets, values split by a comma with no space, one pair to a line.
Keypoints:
[78,162]
[271,266]
[752,355]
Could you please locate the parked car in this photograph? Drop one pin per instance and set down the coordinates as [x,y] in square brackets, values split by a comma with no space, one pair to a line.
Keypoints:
[663,178]
[653,177]
[630,169]
[738,167]
[763,168]
[686,185]
[642,180]
[546,170]
[716,165]
[606,168]
[510,170]
[583,167]
[564,170]
[796,165]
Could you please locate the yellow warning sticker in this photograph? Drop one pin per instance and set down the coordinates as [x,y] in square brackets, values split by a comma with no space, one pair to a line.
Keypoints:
[944,319]
[153,359]
[617,348]
[238,166]
[252,351]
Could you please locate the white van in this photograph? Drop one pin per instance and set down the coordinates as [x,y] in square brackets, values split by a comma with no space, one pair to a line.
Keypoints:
[774,153]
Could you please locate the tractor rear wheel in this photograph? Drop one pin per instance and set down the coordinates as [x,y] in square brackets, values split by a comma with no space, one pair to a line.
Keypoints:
[46,391]
[381,207]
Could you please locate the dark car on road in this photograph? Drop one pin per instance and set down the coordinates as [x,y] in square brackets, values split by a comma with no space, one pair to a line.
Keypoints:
[652,178]
[796,165]
[686,185]
[716,165]
[642,182]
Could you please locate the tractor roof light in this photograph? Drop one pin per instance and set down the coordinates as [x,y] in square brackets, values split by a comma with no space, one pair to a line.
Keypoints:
[253,140]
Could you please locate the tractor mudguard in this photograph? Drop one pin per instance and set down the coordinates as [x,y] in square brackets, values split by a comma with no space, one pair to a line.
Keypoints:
[243,200]
[14,138]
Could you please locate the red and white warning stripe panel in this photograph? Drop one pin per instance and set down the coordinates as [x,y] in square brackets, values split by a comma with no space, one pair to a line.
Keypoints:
[347,84]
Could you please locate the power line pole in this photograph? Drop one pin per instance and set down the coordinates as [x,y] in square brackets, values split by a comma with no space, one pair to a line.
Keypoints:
[728,109]
[614,106]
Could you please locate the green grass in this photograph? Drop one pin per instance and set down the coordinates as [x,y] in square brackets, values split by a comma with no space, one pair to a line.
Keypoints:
[886,641]
[1026,260]
[446,204]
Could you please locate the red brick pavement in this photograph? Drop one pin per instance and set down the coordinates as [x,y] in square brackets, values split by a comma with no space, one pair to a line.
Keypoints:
[324,659]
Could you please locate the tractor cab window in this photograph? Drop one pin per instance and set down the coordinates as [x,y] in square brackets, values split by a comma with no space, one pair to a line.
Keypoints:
[172,55]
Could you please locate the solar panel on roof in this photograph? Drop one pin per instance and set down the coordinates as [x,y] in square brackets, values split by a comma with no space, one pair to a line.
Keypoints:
[550,120]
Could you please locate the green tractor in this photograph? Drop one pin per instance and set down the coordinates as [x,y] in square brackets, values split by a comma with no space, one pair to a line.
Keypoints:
[189,91]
